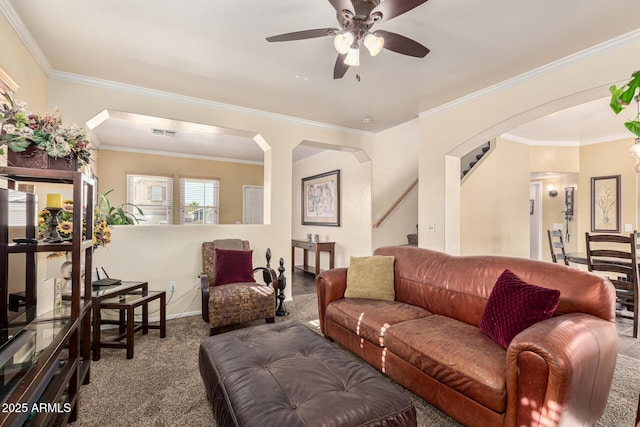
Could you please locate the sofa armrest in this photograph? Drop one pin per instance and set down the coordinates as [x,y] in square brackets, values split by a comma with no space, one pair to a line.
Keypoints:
[204,289]
[560,371]
[330,285]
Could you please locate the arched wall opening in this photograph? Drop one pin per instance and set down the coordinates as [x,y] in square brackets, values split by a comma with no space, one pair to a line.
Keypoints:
[580,78]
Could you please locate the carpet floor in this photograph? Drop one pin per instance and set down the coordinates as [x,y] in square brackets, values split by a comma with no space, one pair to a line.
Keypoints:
[161,385]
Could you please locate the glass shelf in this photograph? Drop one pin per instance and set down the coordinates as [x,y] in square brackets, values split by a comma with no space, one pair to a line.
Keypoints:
[27,316]
[21,352]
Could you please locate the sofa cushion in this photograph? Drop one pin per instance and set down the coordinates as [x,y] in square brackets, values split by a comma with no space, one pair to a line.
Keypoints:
[233,267]
[456,354]
[514,305]
[370,277]
[369,319]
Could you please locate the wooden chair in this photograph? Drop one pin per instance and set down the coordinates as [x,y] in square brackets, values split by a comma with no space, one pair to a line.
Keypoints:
[617,255]
[235,303]
[556,246]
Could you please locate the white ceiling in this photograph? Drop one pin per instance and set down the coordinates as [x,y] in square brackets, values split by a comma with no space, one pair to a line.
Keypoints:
[216,51]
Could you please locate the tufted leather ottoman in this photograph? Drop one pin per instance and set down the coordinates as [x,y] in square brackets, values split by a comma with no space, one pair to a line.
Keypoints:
[284,374]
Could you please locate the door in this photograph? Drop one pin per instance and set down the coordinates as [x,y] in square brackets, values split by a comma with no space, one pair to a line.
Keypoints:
[253,204]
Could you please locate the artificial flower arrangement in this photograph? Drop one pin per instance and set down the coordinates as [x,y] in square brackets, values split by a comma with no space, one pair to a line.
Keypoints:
[101,230]
[20,129]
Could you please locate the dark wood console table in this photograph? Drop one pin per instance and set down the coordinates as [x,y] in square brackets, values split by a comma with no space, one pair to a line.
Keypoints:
[318,247]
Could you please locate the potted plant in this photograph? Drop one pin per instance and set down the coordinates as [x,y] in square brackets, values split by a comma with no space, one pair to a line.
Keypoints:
[42,141]
[622,96]
[117,215]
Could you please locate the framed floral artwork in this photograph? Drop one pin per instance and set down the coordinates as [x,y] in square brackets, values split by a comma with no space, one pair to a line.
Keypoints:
[321,199]
[605,204]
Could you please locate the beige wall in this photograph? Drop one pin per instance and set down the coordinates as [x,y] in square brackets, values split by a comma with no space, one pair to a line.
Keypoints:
[172,253]
[396,169]
[580,165]
[552,213]
[494,111]
[609,158]
[554,159]
[16,61]
[115,165]
[353,236]
[494,203]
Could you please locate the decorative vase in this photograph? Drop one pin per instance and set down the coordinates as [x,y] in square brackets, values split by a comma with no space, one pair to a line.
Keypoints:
[35,158]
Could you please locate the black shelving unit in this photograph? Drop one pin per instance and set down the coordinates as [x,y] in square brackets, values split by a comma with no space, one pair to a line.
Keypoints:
[45,358]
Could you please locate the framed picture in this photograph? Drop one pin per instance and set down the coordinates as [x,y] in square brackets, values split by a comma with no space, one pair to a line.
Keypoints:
[605,204]
[321,199]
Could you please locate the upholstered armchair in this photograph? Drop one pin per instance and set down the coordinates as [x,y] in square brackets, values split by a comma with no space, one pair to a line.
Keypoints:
[230,295]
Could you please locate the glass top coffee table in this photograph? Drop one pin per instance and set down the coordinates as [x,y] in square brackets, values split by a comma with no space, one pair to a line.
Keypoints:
[125,297]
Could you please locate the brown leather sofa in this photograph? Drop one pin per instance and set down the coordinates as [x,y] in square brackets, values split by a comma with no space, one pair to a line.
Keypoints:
[557,372]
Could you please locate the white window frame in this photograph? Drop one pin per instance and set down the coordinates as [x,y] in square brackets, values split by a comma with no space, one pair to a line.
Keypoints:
[208,211]
[142,191]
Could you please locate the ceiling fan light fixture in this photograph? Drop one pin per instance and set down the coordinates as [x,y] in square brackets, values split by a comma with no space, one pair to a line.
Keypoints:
[342,42]
[373,43]
[353,57]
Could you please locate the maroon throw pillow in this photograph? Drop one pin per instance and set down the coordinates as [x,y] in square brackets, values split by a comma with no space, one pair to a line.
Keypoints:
[233,266]
[515,305]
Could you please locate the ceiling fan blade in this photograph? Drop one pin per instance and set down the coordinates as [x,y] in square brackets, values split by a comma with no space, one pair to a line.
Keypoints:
[340,68]
[401,44]
[340,5]
[301,35]
[392,8]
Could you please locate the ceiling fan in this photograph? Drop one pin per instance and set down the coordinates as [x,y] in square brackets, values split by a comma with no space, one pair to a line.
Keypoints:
[356,17]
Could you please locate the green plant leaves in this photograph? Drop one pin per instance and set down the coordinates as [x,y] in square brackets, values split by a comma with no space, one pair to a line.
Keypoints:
[634,127]
[114,215]
[623,95]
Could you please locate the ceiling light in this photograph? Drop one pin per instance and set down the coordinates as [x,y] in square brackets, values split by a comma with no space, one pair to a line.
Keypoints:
[373,43]
[342,42]
[353,57]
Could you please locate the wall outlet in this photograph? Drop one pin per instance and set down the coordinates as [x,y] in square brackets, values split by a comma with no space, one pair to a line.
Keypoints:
[628,228]
[172,286]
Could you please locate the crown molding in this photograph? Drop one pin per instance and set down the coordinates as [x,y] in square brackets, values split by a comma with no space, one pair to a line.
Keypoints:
[24,35]
[615,43]
[174,97]
[176,154]
[565,143]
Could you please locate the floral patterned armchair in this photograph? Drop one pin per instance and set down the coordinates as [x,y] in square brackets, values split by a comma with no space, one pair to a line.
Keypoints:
[228,302]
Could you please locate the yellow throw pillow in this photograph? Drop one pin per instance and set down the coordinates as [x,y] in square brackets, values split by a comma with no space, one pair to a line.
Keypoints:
[371,277]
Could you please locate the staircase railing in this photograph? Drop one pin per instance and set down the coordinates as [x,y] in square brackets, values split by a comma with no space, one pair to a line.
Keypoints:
[395,205]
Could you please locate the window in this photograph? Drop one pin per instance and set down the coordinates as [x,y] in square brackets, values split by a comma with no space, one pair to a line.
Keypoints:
[17,209]
[154,196]
[199,201]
